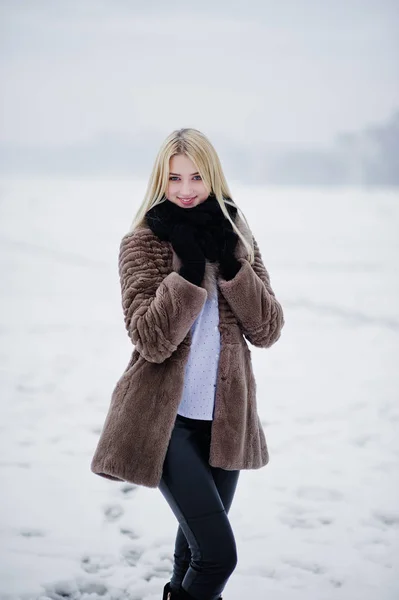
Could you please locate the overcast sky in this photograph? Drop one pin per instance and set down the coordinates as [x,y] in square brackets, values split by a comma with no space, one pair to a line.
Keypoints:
[290,72]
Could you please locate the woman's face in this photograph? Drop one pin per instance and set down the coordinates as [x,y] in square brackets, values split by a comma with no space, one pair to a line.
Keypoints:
[185,182]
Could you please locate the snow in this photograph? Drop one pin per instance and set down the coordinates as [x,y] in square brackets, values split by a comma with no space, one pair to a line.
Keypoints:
[321,520]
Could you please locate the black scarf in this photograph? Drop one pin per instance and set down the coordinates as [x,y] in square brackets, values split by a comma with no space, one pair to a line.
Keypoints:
[204,217]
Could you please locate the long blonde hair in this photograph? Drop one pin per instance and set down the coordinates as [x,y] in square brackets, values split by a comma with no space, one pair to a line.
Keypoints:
[196,146]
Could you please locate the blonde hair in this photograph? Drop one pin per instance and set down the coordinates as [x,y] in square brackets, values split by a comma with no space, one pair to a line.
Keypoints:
[196,146]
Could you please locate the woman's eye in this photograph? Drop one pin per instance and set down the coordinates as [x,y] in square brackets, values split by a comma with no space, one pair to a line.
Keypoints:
[173,177]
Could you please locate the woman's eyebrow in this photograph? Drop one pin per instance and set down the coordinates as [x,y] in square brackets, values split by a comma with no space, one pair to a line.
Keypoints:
[170,173]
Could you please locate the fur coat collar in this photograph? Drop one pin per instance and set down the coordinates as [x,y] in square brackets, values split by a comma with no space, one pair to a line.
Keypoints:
[159,308]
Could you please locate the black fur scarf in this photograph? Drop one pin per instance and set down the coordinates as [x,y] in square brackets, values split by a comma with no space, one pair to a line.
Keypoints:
[211,229]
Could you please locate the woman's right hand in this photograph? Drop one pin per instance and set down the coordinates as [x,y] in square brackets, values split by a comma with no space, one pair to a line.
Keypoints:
[186,246]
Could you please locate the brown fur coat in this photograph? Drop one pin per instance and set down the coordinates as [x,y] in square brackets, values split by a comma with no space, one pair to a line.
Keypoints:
[160,307]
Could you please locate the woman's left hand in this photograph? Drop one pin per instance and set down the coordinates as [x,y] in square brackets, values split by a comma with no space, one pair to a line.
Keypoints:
[217,238]
[228,263]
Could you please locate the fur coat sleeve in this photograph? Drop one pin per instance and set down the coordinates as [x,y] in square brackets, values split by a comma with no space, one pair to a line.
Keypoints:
[253,301]
[158,311]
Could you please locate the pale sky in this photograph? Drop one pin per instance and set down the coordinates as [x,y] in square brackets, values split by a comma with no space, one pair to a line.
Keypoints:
[280,73]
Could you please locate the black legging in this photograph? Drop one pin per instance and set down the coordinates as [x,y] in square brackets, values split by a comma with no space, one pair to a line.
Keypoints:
[200,496]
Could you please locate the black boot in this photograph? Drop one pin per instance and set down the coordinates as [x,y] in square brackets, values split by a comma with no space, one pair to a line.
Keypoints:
[183,595]
[169,594]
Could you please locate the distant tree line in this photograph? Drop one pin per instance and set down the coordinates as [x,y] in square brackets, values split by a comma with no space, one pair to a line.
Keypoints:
[368,158]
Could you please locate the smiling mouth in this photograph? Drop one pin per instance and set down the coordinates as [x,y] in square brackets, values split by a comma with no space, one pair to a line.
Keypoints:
[187,200]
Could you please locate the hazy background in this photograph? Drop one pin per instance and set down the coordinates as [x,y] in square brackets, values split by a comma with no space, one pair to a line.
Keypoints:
[302,93]
[292,92]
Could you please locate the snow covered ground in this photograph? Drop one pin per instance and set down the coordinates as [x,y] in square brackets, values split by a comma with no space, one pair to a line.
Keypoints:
[321,520]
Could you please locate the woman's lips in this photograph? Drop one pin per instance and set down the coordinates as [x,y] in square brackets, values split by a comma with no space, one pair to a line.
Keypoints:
[188,200]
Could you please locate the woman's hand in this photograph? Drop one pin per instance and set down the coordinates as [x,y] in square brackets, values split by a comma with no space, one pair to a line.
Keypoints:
[218,241]
[229,265]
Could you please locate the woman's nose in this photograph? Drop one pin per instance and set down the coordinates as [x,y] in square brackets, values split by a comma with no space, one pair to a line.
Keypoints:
[185,188]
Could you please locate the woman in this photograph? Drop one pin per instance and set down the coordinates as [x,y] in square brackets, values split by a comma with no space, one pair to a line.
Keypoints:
[183,415]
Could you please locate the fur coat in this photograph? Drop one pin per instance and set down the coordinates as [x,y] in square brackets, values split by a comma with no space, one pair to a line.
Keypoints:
[159,308]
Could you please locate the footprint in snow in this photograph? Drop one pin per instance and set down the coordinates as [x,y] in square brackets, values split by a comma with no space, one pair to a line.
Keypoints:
[128,488]
[112,512]
[129,533]
[315,568]
[96,564]
[31,532]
